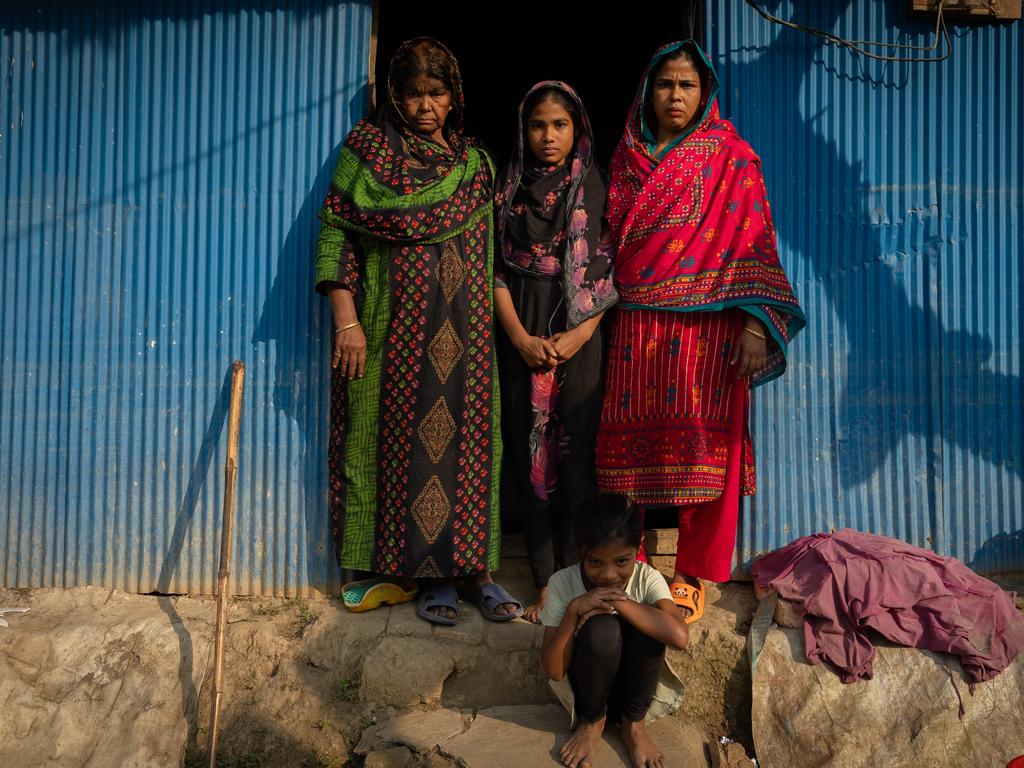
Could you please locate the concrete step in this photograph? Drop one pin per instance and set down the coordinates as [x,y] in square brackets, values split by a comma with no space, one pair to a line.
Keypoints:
[514,737]
[304,679]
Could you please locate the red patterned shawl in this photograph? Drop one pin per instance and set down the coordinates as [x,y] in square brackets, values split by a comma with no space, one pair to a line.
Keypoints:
[693,227]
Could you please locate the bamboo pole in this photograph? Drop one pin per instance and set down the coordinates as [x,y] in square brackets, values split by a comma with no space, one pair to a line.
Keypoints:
[230,476]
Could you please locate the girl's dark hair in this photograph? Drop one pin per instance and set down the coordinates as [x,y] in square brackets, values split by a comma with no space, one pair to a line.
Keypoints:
[557,95]
[423,56]
[561,98]
[605,518]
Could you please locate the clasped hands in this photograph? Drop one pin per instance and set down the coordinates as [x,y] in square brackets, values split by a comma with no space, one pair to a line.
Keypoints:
[539,352]
[598,601]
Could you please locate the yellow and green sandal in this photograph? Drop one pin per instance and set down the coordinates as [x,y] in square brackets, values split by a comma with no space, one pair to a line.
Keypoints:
[367,594]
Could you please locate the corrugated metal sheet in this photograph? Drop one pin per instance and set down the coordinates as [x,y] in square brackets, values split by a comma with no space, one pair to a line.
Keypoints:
[896,190]
[161,174]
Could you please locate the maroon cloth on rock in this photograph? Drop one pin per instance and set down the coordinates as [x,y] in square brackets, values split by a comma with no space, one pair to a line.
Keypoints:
[849,582]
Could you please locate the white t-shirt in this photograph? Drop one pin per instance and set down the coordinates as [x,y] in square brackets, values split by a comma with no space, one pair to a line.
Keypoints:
[645,586]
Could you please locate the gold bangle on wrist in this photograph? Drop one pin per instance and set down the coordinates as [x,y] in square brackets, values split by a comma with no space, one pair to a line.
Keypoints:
[346,327]
[751,331]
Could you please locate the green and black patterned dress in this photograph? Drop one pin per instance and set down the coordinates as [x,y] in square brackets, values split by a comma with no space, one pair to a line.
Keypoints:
[415,448]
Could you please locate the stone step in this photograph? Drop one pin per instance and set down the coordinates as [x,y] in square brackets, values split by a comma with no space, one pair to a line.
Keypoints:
[479,664]
[303,678]
[514,737]
[473,664]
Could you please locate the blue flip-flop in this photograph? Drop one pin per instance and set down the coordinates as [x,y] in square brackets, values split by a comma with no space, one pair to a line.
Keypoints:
[441,595]
[493,595]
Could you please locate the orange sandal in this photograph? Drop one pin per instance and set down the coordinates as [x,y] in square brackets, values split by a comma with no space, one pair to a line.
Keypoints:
[688,596]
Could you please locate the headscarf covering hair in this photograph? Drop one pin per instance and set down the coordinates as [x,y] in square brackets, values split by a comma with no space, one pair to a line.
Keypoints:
[419,56]
[559,209]
[647,127]
[384,162]
[710,243]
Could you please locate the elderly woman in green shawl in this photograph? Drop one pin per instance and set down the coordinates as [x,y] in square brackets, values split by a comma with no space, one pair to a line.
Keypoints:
[405,258]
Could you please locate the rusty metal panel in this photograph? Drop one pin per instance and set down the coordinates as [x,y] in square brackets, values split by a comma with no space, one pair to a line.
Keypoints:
[162,166]
[981,10]
[896,190]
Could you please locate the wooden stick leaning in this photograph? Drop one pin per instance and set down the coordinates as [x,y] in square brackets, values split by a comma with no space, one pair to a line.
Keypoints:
[230,475]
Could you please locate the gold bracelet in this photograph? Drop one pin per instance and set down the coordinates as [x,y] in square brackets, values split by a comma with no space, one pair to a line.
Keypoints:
[346,327]
[751,331]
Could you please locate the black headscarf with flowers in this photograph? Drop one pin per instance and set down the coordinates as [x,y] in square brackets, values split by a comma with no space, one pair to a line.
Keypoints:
[550,218]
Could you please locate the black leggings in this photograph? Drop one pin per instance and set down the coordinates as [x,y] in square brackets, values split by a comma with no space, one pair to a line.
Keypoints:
[614,671]
[549,540]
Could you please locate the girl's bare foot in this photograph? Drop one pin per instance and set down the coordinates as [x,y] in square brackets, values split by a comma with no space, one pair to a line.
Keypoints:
[532,612]
[643,753]
[693,581]
[580,749]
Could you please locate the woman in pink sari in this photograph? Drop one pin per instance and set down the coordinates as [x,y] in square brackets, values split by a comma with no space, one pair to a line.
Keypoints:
[706,313]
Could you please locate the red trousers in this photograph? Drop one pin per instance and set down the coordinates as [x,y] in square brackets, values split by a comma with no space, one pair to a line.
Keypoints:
[707,530]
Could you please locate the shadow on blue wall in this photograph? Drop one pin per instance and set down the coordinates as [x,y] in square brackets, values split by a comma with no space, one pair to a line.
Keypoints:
[291,314]
[997,552]
[885,390]
[197,478]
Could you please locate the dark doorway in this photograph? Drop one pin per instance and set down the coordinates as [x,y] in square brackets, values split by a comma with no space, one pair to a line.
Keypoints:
[599,50]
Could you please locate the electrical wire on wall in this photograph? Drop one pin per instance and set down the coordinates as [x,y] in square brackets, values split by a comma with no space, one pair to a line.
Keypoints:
[860,46]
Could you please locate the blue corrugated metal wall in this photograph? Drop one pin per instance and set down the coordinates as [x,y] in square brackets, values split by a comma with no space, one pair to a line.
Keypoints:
[162,167]
[896,190]
[161,173]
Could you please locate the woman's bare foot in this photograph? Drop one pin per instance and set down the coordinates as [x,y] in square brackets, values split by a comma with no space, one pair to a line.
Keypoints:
[580,749]
[532,611]
[643,752]
[693,581]
[443,611]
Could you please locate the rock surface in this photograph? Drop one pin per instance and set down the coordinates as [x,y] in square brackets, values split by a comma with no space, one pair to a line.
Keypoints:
[907,715]
[419,731]
[80,666]
[394,757]
[730,755]
[405,671]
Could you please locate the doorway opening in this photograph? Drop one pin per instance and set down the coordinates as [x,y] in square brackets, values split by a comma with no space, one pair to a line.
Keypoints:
[601,52]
